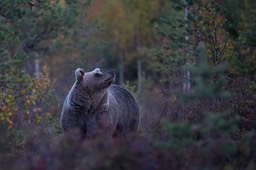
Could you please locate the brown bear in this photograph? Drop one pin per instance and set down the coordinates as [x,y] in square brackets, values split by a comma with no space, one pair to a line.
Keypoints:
[94,104]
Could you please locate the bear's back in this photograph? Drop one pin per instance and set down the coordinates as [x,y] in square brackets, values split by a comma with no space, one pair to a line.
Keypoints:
[126,109]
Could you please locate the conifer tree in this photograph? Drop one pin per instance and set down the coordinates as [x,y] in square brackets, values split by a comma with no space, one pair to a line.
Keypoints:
[214,128]
[28,30]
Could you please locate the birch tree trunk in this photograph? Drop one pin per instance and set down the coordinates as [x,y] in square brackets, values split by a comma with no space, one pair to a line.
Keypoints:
[139,63]
[139,72]
[186,83]
[121,66]
[37,68]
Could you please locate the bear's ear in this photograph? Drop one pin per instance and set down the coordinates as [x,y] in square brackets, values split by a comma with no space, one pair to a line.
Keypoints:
[79,73]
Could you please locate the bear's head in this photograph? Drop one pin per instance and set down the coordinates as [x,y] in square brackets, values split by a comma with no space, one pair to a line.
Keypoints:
[94,80]
[92,86]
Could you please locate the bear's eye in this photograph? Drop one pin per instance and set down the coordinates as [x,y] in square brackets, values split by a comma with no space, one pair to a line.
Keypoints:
[97,75]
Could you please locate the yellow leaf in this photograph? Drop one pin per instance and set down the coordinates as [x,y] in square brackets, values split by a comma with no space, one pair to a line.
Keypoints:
[10,122]
[38,119]
[48,114]
[22,92]
[172,98]
[28,101]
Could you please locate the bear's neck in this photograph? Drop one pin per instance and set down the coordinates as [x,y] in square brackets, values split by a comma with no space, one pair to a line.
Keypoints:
[88,103]
[79,99]
[101,105]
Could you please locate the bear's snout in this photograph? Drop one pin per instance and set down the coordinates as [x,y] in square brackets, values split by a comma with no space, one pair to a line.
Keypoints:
[111,76]
[112,73]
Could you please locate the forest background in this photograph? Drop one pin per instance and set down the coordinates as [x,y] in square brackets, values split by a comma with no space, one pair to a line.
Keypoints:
[190,64]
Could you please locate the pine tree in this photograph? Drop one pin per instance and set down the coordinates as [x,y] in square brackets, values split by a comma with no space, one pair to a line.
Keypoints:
[28,30]
[214,129]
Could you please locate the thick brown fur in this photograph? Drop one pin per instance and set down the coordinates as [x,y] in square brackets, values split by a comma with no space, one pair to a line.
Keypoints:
[94,104]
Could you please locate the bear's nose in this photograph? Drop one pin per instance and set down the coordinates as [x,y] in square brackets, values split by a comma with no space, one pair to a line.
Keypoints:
[111,72]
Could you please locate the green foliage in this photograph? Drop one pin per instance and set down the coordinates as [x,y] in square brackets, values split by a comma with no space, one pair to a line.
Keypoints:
[214,129]
[31,27]
[27,97]
[138,13]
[131,88]
[27,30]
[241,15]
[179,136]
[208,81]
[242,67]
[183,32]
[171,29]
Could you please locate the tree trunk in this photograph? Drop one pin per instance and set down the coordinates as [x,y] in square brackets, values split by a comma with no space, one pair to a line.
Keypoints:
[139,63]
[37,68]
[3,64]
[186,82]
[121,66]
[139,72]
